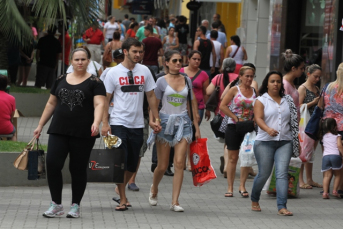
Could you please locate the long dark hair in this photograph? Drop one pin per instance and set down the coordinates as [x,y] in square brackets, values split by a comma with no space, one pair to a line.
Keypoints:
[327,125]
[264,87]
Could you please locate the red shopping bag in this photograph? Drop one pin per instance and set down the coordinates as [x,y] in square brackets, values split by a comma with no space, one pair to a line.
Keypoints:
[202,170]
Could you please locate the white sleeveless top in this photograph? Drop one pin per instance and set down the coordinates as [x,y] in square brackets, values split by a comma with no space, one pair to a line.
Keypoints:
[239,55]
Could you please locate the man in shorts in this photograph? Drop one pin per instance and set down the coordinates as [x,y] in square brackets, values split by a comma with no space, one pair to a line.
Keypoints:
[128,81]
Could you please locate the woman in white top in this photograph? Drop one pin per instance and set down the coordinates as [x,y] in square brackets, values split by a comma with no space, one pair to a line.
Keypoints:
[109,28]
[93,67]
[237,52]
[276,117]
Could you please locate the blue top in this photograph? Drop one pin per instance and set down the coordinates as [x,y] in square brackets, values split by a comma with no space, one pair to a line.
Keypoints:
[221,38]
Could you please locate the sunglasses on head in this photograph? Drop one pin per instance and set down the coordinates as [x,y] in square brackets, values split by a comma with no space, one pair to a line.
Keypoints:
[130,75]
[176,60]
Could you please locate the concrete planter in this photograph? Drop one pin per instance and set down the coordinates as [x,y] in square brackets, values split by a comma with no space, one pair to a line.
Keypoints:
[30,104]
[10,176]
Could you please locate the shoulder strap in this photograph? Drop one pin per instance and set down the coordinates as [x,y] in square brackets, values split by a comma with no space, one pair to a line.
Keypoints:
[189,98]
[235,52]
[96,70]
[196,75]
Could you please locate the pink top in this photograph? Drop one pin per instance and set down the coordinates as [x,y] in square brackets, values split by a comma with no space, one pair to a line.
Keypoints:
[232,77]
[293,92]
[333,106]
[330,144]
[7,106]
[198,87]
[34,31]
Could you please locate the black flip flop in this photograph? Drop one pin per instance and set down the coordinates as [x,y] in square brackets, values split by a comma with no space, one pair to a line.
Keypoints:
[244,192]
[119,207]
[228,194]
[116,199]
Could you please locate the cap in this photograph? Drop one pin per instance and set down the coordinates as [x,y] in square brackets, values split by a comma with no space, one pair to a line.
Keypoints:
[117,53]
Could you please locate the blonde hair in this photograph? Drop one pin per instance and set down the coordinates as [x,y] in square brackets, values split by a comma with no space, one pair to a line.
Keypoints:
[244,68]
[338,81]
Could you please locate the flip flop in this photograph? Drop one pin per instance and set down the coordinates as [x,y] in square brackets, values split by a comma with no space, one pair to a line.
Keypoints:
[284,212]
[244,192]
[121,207]
[256,208]
[228,194]
[116,199]
[316,185]
[306,186]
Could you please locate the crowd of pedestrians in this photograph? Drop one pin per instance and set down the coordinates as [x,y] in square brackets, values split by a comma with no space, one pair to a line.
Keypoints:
[147,77]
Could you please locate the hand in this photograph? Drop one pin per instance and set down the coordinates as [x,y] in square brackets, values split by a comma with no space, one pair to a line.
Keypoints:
[155,126]
[37,131]
[272,132]
[105,129]
[213,70]
[316,100]
[197,134]
[207,115]
[95,129]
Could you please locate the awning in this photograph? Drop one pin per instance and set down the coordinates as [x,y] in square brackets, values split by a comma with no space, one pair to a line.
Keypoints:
[228,1]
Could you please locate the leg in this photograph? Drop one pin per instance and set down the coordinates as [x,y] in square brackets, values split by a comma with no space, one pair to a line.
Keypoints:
[243,178]
[302,183]
[50,78]
[13,72]
[326,181]
[58,149]
[226,157]
[231,168]
[80,150]
[26,75]
[179,157]
[21,75]
[163,151]
[336,182]
[41,75]
[264,154]
[282,158]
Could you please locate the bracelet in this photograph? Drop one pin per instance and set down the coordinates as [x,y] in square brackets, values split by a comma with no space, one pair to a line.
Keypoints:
[158,119]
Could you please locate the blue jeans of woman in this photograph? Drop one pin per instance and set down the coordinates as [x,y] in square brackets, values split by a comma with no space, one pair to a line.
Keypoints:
[267,153]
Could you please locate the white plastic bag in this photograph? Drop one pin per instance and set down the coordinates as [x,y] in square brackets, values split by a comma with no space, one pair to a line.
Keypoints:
[246,152]
[306,143]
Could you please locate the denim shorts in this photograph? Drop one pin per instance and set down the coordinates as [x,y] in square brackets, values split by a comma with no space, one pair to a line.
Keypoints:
[333,162]
[171,139]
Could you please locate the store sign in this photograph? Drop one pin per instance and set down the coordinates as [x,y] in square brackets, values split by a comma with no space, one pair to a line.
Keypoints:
[141,8]
[193,5]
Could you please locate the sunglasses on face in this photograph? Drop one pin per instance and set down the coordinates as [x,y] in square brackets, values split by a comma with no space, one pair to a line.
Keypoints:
[130,75]
[176,60]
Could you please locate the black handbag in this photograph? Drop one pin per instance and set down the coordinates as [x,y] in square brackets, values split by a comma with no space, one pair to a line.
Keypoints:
[244,127]
[106,165]
[190,107]
[215,125]
[36,163]
[213,100]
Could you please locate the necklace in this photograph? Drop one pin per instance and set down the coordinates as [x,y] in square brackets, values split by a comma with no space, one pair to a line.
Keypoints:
[174,74]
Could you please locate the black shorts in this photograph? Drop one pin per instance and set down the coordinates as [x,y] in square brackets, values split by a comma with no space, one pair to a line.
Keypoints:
[233,140]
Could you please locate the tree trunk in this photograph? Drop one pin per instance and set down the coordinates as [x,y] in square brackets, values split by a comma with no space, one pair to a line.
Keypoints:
[3,52]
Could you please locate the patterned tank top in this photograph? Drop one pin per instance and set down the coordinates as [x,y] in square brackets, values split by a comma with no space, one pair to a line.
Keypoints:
[168,43]
[309,97]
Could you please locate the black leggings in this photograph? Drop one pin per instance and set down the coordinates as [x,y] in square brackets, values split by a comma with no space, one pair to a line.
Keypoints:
[79,150]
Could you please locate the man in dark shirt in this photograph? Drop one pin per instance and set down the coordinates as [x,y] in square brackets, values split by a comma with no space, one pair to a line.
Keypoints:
[206,47]
[182,30]
[126,22]
[216,18]
[47,55]
[153,47]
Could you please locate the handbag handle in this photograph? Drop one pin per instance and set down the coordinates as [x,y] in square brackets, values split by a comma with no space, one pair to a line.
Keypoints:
[189,98]
[31,144]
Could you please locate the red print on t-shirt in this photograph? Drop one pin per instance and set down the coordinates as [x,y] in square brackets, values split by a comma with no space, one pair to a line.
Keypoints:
[124,80]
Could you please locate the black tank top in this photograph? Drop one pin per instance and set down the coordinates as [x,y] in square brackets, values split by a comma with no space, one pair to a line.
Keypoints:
[205,48]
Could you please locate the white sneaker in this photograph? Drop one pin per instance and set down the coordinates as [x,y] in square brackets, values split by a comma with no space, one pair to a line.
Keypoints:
[176,208]
[74,211]
[152,200]
[54,210]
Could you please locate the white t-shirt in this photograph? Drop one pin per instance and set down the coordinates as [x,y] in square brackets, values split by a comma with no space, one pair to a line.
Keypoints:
[128,99]
[330,144]
[90,68]
[217,46]
[102,77]
[111,28]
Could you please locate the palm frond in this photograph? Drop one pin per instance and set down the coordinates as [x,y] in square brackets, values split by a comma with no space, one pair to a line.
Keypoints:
[49,9]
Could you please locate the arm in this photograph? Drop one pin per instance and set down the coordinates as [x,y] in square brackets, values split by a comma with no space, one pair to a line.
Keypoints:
[259,119]
[214,58]
[105,125]
[210,89]
[105,30]
[204,88]
[47,113]
[339,144]
[302,94]
[99,103]
[245,57]
[225,91]
[177,43]
[152,100]
[161,52]
[255,85]
[228,51]
[164,40]
[226,100]
[196,117]
[221,55]
[196,44]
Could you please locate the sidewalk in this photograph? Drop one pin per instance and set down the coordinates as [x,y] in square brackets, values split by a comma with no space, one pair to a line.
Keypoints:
[205,207]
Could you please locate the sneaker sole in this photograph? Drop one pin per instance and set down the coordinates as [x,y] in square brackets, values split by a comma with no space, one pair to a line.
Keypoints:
[53,216]
[70,216]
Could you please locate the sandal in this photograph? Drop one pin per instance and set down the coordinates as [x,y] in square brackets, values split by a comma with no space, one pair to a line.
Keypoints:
[228,194]
[306,186]
[326,195]
[244,194]
[335,193]
[284,212]
[121,207]
[256,208]
[116,199]
[316,185]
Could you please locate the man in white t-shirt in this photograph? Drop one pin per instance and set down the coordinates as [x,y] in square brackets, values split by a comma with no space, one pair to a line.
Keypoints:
[219,49]
[128,81]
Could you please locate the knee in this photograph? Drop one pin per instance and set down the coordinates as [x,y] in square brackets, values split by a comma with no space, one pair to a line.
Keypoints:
[233,159]
[179,164]
[162,166]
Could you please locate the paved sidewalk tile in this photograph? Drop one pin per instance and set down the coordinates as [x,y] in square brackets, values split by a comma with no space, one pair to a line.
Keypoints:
[205,207]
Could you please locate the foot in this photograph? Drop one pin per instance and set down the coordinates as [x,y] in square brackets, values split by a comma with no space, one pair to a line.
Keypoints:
[54,210]
[228,194]
[121,207]
[251,172]
[74,211]
[133,187]
[168,172]
[152,198]
[189,167]
[176,208]
[244,194]
[315,184]
[335,193]
[326,195]
[116,199]
[305,186]
[284,212]
[255,207]
[221,167]
[153,167]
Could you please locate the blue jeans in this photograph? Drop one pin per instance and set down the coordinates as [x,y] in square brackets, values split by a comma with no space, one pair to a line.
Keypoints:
[201,114]
[267,153]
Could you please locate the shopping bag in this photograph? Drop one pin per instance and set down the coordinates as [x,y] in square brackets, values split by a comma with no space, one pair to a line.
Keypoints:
[306,143]
[293,178]
[36,163]
[106,165]
[202,170]
[246,152]
[21,161]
